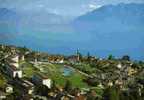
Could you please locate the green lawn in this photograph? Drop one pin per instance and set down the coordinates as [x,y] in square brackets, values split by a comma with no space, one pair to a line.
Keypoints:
[29,70]
[2,81]
[76,79]
[54,72]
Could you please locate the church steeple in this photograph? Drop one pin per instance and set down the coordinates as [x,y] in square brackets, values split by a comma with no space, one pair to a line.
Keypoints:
[78,55]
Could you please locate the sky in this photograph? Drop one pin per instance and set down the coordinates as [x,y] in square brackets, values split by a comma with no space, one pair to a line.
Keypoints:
[60,7]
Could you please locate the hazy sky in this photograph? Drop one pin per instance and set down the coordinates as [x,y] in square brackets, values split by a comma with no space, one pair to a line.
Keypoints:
[62,7]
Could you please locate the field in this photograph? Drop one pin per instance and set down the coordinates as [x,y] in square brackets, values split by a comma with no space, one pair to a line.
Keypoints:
[55,72]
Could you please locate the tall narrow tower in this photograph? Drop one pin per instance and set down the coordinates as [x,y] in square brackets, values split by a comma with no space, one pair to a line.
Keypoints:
[78,55]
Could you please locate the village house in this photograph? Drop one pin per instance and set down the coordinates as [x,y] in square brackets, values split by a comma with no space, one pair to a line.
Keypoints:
[8,89]
[110,83]
[2,46]
[41,79]
[73,59]
[14,60]
[60,61]
[27,86]
[12,67]
[21,57]
[2,95]
[119,66]
[64,98]
[56,59]
[131,71]
[13,71]
[13,63]
[119,83]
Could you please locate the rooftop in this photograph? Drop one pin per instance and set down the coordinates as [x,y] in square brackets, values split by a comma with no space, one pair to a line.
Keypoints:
[41,76]
[13,68]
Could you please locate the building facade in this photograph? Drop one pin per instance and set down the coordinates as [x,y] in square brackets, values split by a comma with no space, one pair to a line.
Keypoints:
[39,79]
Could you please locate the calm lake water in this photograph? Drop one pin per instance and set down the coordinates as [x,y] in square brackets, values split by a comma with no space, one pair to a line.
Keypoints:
[67,71]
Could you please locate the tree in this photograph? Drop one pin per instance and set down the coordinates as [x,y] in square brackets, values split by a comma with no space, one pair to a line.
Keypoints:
[92,81]
[75,91]
[68,86]
[110,57]
[142,94]
[53,87]
[124,95]
[16,94]
[135,65]
[111,93]
[42,90]
[134,95]
[88,57]
[2,81]
[10,97]
[23,50]
[91,95]
[126,57]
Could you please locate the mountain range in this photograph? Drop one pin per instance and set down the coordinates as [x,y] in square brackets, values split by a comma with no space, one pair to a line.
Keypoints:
[115,28]
[111,29]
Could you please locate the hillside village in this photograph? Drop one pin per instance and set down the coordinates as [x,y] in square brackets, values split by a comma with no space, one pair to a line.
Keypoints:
[31,75]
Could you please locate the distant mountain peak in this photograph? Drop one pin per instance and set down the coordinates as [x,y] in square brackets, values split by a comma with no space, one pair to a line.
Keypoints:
[114,26]
[117,11]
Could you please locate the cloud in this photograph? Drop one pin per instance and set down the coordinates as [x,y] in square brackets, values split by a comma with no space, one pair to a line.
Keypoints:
[90,7]
[63,7]
[94,6]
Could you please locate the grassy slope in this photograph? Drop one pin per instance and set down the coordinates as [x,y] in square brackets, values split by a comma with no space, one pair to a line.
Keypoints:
[54,72]
[2,80]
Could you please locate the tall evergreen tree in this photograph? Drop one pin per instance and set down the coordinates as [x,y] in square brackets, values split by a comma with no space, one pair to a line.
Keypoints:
[111,93]
[110,57]
[88,57]
[68,86]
